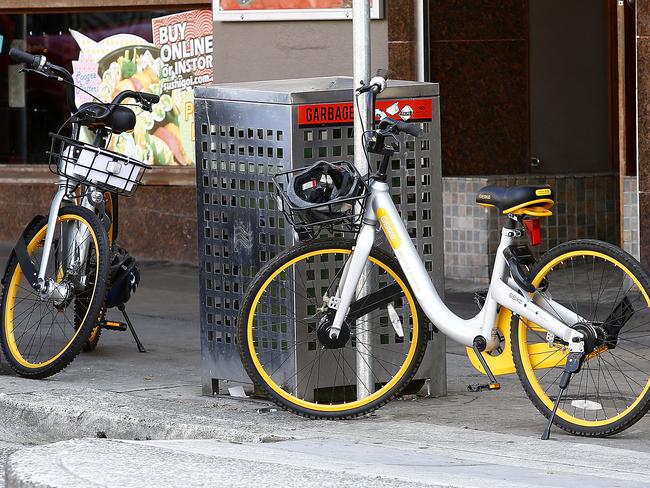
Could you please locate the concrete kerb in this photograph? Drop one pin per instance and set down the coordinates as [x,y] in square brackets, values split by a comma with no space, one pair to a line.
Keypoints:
[67,414]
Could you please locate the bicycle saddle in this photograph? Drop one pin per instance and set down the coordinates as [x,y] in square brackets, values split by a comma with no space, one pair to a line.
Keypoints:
[96,115]
[533,200]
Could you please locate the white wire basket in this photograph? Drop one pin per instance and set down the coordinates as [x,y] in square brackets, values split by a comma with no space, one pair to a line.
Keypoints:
[86,164]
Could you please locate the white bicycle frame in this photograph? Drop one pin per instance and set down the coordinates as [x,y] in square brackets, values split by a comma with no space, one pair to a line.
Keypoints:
[503,291]
[75,237]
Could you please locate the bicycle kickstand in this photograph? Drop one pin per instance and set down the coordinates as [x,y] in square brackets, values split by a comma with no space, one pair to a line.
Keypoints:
[122,309]
[572,366]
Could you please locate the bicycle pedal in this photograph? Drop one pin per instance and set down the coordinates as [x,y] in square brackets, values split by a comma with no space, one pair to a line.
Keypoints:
[112,325]
[475,388]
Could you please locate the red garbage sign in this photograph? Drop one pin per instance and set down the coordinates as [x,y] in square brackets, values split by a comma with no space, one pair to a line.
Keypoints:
[408,110]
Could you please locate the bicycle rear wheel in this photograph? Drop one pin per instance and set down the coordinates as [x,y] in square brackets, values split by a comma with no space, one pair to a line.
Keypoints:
[283,332]
[42,333]
[610,290]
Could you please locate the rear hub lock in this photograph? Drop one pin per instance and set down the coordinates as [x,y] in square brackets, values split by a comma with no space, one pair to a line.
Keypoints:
[591,336]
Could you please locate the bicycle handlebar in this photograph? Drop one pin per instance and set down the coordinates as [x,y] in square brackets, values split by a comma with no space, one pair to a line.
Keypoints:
[412,129]
[31,60]
[376,85]
[148,98]
[40,64]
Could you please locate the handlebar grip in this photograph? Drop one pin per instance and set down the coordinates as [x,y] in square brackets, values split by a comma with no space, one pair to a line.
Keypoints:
[31,60]
[383,73]
[150,97]
[412,129]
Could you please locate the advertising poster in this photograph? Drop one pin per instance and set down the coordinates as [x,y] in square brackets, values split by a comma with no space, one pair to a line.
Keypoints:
[238,10]
[179,58]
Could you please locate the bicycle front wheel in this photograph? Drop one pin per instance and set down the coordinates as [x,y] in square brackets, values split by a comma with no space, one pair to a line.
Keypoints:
[283,332]
[610,291]
[42,332]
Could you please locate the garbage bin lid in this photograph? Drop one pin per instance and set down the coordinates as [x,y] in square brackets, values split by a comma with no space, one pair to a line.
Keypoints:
[308,90]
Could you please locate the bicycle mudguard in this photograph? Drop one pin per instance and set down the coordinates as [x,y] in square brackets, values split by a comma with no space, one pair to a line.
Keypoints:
[503,363]
[20,251]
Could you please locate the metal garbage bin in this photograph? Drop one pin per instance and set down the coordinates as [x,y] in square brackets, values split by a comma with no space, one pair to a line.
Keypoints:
[245,134]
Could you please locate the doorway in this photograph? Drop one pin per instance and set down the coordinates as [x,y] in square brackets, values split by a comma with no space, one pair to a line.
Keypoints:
[530,86]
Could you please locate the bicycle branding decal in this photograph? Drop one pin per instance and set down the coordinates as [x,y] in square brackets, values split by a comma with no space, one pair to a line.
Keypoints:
[389,228]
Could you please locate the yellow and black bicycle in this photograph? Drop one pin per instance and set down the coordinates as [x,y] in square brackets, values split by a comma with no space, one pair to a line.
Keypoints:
[57,278]
[335,328]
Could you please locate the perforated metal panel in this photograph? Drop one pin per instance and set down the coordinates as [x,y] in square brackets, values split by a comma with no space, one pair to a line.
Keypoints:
[245,133]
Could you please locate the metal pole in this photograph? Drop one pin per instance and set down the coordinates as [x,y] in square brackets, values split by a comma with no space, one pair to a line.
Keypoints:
[361,60]
[421,39]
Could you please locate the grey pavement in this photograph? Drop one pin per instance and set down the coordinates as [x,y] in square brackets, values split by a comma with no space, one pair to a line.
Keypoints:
[316,462]
[118,393]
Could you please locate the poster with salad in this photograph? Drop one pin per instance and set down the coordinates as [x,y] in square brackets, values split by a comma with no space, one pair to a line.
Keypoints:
[179,58]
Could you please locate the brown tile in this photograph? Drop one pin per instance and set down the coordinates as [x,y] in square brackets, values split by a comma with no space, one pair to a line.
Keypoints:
[484,102]
[401,20]
[643,17]
[478,19]
[158,222]
[643,56]
[19,203]
[402,60]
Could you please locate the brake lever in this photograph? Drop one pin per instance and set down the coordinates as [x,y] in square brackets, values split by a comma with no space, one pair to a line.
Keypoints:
[41,72]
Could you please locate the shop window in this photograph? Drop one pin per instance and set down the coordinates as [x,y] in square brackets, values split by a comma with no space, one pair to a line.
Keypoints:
[32,106]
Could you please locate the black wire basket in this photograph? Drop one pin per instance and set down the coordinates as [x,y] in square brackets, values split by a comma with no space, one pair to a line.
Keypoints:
[338,215]
[86,164]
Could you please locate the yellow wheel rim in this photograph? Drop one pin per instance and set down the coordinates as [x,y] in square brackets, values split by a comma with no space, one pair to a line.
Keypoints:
[332,407]
[530,364]
[14,285]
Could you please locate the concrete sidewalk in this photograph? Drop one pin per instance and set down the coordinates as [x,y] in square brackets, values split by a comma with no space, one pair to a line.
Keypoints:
[118,393]
[434,456]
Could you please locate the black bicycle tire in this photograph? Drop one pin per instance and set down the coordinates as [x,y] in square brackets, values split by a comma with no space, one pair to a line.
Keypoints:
[242,337]
[74,348]
[639,272]
[93,340]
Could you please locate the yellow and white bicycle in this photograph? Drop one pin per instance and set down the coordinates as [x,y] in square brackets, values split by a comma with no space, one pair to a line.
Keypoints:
[574,325]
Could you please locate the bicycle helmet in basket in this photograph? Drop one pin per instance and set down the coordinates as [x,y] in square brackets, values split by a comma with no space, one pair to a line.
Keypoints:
[324,183]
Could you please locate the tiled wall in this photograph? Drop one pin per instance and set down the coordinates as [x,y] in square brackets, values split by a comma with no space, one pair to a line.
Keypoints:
[587,206]
[631,216]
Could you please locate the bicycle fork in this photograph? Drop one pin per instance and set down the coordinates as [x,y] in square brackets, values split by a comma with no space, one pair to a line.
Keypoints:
[74,248]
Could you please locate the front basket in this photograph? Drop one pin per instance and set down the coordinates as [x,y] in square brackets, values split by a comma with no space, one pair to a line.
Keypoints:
[338,215]
[86,164]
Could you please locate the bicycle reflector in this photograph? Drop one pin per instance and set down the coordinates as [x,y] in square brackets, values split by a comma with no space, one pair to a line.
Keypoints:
[533,231]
